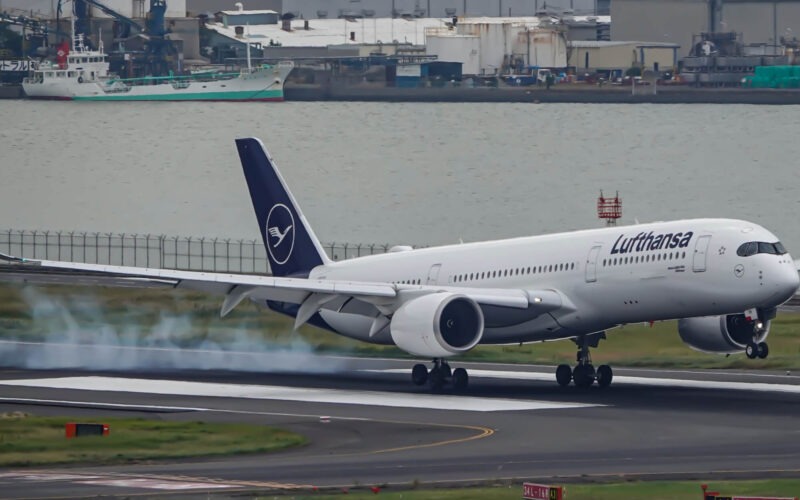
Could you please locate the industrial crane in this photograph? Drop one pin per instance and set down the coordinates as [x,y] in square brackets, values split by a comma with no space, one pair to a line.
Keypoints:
[158,51]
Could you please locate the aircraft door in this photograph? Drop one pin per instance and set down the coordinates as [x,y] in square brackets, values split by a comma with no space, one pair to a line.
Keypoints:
[700,253]
[591,264]
[433,274]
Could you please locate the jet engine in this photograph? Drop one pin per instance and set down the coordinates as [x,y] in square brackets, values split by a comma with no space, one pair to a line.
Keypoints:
[437,325]
[722,334]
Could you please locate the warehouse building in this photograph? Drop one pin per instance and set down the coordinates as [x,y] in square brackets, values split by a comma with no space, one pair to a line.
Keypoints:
[761,22]
[613,58]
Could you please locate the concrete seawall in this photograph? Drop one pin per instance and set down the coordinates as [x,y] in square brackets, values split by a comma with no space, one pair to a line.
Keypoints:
[617,95]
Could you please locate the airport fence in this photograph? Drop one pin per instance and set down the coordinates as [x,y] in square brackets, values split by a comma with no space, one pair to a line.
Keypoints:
[187,253]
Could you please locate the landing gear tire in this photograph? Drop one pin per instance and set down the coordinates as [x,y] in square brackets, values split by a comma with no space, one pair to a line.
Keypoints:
[583,375]
[419,374]
[460,379]
[563,375]
[763,350]
[436,378]
[604,376]
[751,350]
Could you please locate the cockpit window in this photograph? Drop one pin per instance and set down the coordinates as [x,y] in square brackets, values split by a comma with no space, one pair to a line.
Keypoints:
[766,248]
[754,247]
[747,249]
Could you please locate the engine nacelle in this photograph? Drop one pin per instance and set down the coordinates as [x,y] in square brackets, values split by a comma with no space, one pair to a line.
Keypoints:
[437,325]
[720,334]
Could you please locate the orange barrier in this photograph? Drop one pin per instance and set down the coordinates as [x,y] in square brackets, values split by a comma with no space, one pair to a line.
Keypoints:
[73,430]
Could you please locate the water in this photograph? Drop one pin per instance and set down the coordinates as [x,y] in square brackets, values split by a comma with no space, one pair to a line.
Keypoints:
[396,173]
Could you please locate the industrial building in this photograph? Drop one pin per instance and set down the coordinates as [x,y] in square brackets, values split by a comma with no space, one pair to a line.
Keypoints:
[310,9]
[610,58]
[759,23]
[492,46]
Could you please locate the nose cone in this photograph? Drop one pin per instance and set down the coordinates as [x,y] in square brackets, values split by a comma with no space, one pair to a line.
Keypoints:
[788,281]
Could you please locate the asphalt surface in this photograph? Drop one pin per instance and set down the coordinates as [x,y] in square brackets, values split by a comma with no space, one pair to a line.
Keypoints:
[649,424]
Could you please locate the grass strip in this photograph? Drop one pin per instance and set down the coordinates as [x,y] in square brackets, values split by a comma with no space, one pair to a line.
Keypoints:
[27,440]
[655,490]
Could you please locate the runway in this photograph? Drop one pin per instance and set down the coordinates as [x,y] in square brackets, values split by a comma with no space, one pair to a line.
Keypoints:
[514,422]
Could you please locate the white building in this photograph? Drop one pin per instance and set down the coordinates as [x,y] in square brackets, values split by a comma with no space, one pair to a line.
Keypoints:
[490,46]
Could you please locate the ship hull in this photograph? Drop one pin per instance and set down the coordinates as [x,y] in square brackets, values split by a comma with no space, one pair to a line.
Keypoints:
[263,84]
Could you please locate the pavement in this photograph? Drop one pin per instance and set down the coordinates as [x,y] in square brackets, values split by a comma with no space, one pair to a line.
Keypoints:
[368,425]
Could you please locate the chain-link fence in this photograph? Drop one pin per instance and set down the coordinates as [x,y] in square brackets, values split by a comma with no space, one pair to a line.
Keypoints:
[159,251]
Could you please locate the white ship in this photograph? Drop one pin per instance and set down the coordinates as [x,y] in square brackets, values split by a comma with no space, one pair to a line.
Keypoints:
[85,77]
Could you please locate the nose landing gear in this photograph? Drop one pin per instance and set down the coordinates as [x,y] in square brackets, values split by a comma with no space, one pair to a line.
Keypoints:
[757,350]
[439,375]
[584,373]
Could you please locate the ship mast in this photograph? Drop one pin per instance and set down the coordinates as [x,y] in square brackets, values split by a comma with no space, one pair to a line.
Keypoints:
[247,41]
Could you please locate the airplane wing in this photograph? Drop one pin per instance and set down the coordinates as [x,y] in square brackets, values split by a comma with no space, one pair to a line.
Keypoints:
[375,298]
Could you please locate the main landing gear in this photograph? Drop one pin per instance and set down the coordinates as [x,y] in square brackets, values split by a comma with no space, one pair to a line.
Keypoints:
[439,375]
[584,373]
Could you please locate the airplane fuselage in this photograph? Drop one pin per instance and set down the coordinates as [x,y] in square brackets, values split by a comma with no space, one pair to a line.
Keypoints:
[602,277]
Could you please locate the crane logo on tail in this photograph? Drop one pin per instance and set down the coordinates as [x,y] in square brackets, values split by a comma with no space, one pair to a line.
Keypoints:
[279,234]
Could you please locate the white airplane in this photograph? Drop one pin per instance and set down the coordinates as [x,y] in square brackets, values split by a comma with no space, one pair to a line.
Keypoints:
[722,279]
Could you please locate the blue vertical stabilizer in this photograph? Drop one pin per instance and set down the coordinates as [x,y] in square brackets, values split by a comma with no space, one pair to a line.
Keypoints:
[292,247]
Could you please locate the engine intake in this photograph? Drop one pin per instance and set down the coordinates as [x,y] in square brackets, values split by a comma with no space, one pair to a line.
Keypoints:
[720,334]
[437,325]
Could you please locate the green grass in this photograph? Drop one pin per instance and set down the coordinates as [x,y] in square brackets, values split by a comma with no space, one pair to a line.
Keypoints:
[28,441]
[656,490]
[187,319]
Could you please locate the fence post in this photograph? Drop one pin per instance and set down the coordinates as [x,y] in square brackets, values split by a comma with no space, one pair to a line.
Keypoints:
[147,250]
[9,242]
[344,249]
[109,235]
[71,246]
[253,255]
[135,238]
[241,246]
[176,253]
[122,249]
[202,254]
[227,255]
[358,250]
[189,252]
[214,254]
[58,243]
[161,239]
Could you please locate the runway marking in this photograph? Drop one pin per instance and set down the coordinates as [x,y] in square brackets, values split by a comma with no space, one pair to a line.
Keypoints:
[301,394]
[145,481]
[154,484]
[623,379]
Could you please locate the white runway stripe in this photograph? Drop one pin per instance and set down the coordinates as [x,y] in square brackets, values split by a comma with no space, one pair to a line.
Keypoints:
[622,379]
[302,394]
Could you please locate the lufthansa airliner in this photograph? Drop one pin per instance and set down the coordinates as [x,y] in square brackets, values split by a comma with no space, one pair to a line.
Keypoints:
[723,279]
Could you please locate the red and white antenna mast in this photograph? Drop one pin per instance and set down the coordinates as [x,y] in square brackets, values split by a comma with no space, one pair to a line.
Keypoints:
[609,209]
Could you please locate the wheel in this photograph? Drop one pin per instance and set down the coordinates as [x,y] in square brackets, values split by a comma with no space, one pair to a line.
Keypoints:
[419,374]
[751,350]
[446,370]
[763,350]
[436,378]
[604,375]
[460,379]
[583,375]
[563,375]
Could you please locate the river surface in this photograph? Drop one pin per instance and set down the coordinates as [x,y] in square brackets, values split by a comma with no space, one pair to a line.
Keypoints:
[416,173]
